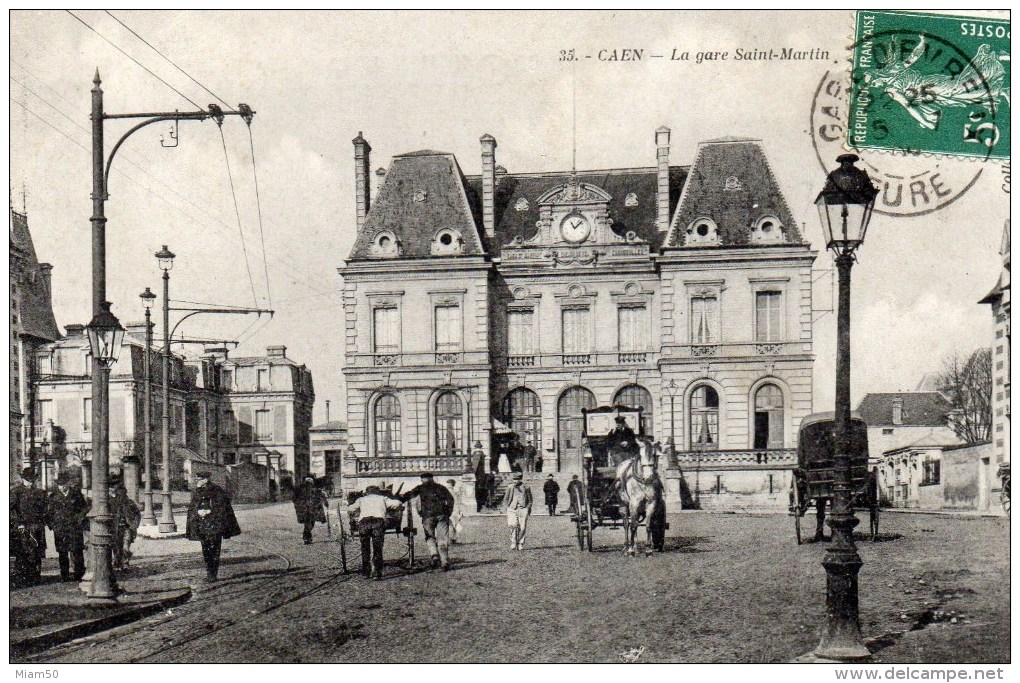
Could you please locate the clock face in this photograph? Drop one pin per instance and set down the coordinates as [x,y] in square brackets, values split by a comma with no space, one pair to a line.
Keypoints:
[575,228]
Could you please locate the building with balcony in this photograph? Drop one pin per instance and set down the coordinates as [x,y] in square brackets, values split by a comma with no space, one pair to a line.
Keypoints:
[510,302]
[222,410]
[32,325]
[265,411]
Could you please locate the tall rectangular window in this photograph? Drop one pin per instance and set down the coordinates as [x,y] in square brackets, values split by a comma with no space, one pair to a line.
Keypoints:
[86,414]
[263,425]
[449,329]
[767,310]
[521,327]
[262,379]
[227,379]
[386,330]
[704,320]
[43,411]
[631,324]
[576,330]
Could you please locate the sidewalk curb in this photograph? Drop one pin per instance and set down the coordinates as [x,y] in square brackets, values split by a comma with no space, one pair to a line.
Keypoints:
[79,629]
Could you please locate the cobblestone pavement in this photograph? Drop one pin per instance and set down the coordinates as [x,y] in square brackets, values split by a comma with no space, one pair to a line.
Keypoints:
[729,588]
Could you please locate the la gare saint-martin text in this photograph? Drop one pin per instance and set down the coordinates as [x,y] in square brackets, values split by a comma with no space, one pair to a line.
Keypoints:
[698,56]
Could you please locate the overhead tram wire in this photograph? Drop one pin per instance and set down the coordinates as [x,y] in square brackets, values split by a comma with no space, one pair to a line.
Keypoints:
[258,199]
[175,64]
[208,221]
[147,69]
[237,212]
[258,205]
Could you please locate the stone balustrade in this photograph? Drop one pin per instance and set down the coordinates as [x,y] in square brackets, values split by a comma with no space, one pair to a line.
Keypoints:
[412,465]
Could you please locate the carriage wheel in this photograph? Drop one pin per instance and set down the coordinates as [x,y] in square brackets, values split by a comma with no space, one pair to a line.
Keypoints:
[343,554]
[587,535]
[410,550]
[1004,496]
[580,531]
[795,509]
[589,523]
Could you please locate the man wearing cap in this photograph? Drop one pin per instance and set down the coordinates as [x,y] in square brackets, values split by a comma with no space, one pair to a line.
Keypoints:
[125,521]
[210,520]
[436,507]
[370,511]
[517,502]
[309,506]
[66,511]
[28,526]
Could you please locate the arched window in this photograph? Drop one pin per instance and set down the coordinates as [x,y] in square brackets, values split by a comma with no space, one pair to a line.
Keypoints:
[636,396]
[704,433]
[768,417]
[523,413]
[570,421]
[387,426]
[449,424]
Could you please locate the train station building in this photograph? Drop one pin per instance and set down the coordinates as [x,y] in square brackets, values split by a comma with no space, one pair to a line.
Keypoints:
[492,308]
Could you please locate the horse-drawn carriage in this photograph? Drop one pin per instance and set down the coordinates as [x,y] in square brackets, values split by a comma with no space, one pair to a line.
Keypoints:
[814,475]
[619,484]
[399,522]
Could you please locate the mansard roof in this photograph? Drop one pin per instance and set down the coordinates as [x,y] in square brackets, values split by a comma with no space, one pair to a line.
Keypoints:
[36,314]
[732,184]
[518,194]
[422,192]
[919,408]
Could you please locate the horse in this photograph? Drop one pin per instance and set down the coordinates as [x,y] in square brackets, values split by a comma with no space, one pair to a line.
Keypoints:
[640,493]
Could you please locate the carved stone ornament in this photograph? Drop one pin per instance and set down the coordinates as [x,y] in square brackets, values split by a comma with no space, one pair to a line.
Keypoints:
[522,204]
[732,184]
[420,196]
[630,200]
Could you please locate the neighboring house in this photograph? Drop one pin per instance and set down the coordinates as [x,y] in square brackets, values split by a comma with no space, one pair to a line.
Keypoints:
[999,300]
[225,411]
[32,325]
[523,298]
[900,419]
[328,442]
[265,411]
[932,476]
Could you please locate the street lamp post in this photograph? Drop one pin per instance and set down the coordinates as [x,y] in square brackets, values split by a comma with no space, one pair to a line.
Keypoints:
[844,206]
[105,337]
[671,391]
[148,512]
[102,589]
[167,525]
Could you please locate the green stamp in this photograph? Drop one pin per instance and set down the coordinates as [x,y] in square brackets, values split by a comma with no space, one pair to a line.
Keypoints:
[930,83]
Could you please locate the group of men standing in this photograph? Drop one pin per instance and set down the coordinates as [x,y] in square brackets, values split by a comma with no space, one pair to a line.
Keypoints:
[65,511]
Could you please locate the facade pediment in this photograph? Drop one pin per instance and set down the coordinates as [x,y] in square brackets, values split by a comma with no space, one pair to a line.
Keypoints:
[574,192]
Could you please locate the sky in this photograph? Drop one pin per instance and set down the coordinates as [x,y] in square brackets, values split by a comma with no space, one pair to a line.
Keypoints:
[411,81]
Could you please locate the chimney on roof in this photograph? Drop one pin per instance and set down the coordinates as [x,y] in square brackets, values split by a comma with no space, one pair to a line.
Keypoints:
[897,410]
[327,410]
[488,184]
[362,188]
[662,188]
[74,330]
[276,351]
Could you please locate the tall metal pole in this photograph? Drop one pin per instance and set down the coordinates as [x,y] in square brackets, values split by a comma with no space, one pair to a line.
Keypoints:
[148,513]
[842,638]
[103,589]
[167,525]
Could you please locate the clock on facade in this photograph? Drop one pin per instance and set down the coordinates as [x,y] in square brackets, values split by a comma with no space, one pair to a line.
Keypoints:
[575,228]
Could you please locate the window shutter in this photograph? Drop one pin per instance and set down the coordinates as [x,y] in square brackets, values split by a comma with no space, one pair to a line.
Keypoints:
[280,431]
[244,424]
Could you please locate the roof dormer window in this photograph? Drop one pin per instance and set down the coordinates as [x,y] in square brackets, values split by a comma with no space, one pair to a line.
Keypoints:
[702,231]
[447,241]
[768,230]
[385,244]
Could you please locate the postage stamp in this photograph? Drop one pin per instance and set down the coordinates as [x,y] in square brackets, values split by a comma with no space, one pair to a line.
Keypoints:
[930,83]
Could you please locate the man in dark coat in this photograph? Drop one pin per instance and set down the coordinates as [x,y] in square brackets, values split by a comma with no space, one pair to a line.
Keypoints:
[28,526]
[126,518]
[66,513]
[309,506]
[436,507]
[369,512]
[552,494]
[622,441]
[575,490]
[210,520]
